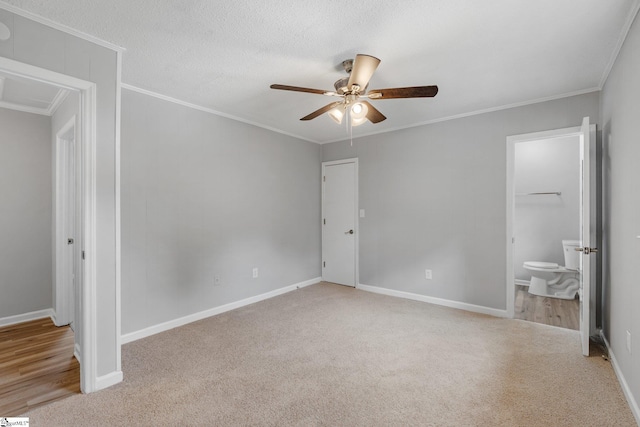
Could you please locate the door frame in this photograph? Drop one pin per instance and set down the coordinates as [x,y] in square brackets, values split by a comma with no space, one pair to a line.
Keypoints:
[64,290]
[86,145]
[353,160]
[510,205]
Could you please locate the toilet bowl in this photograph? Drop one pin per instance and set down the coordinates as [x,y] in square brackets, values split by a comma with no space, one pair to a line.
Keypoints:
[548,279]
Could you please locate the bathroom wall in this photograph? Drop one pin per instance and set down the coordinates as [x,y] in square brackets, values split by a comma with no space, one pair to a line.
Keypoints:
[25,213]
[541,222]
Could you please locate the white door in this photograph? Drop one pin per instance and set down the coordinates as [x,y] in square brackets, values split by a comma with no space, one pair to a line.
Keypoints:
[65,233]
[339,223]
[588,230]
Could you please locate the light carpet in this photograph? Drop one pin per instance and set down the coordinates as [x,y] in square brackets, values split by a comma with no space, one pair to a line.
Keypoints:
[328,355]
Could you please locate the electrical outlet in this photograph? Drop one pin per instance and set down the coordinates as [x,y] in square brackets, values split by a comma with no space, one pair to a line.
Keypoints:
[255,272]
[216,280]
[428,275]
[629,342]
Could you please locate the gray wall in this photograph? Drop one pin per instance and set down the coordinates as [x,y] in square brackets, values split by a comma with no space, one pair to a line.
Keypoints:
[25,213]
[42,46]
[435,197]
[541,222]
[205,196]
[621,175]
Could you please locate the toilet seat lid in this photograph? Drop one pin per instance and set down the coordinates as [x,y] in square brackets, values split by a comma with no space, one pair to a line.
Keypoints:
[540,264]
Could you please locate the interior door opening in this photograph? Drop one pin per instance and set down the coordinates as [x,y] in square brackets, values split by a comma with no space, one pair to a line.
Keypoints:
[83,308]
[550,222]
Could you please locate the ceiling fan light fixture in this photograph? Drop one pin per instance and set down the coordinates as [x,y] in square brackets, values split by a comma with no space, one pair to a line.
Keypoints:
[358,122]
[359,111]
[337,114]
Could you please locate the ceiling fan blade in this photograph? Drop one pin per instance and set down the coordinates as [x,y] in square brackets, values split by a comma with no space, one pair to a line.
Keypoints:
[363,68]
[321,111]
[404,92]
[298,89]
[373,114]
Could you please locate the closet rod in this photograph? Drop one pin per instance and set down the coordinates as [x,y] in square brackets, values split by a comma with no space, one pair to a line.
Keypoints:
[557,193]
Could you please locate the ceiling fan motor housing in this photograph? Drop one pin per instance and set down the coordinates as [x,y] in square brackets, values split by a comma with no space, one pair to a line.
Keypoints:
[341,85]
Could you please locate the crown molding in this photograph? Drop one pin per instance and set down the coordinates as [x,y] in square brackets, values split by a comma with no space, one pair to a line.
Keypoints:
[473,113]
[211,111]
[623,36]
[61,27]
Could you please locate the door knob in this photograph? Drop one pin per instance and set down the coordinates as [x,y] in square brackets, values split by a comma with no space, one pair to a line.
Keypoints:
[348,232]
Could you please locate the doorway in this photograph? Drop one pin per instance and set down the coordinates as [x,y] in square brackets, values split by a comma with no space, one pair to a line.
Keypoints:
[340,222]
[85,218]
[549,218]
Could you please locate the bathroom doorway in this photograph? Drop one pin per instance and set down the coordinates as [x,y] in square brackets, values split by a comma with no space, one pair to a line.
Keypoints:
[546,214]
[549,228]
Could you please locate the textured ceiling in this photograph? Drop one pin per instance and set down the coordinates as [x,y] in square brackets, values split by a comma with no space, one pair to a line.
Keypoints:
[223,55]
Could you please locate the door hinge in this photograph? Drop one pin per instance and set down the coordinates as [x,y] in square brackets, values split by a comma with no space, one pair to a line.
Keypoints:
[324,221]
[324,179]
[83,255]
[324,264]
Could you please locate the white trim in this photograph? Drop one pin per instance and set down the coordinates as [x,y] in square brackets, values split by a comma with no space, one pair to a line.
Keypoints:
[60,27]
[27,317]
[635,410]
[89,327]
[162,327]
[57,101]
[211,111]
[108,380]
[25,108]
[521,282]
[621,38]
[118,217]
[356,216]
[77,352]
[433,300]
[474,113]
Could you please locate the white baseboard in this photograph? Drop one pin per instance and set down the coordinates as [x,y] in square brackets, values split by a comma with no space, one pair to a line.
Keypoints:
[433,300]
[623,382]
[152,330]
[26,317]
[108,380]
[522,282]
[76,352]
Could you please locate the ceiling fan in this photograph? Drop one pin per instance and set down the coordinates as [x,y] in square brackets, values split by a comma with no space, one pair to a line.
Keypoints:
[354,87]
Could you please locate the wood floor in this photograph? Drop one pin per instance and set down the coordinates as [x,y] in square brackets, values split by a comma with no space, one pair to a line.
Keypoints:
[549,311]
[37,366]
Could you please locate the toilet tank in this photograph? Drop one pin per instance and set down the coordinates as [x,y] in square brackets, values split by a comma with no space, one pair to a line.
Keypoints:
[571,256]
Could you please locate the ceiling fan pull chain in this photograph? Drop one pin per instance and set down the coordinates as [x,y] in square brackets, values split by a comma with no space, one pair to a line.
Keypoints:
[350,124]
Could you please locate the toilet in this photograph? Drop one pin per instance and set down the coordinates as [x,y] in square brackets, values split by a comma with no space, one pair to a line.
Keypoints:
[549,279]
